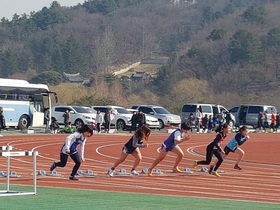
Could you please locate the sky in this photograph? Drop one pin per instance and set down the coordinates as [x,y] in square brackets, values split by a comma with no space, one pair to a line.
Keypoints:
[9,7]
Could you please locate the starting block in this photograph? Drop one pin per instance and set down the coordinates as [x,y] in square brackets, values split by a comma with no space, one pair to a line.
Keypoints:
[53,173]
[155,171]
[122,172]
[2,174]
[188,171]
[42,173]
[13,174]
[88,173]
[204,169]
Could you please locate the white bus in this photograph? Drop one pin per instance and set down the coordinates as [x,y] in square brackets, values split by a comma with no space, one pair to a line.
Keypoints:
[24,104]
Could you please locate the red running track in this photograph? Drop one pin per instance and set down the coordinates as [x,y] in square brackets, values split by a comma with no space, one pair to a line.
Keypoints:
[258,181]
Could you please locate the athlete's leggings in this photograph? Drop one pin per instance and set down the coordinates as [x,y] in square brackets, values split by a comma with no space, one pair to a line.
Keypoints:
[63,160]
[209,153]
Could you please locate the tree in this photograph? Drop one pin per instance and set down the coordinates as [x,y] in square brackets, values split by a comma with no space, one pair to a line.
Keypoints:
[217,34]
[244,46]
[273,37]
[254,14]
[48,77]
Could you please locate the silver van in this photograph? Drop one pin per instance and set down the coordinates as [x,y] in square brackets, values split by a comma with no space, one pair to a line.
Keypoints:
[247,114]
[209,109]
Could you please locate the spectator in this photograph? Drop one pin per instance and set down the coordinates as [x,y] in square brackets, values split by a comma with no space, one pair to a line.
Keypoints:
[54,126]
[198,116]
[260,122]
[210,123]
[205,122]
[99,121]
[47,119]
[66,117]
[277,121]
[273,122]
[191,121]
[134,121]
[107,120]
[2,121]
[141,119]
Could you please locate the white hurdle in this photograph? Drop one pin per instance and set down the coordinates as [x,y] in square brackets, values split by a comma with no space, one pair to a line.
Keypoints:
[5,151]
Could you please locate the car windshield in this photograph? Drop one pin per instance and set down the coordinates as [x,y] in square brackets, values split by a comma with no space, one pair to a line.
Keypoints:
[81,109]
[160,110]
[122,111]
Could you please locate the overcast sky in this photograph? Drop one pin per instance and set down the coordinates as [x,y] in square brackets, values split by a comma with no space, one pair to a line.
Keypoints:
[9,7]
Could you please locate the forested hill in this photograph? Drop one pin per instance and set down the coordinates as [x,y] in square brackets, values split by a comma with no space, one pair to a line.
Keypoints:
[223,51]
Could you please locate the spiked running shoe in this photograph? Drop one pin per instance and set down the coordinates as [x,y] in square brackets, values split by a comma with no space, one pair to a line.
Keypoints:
[211,169]
[73,178]
[111,172]
[215,173]
[237,167]
[177,170]
[134,172]
[150,172]
[52,167]
[195,164]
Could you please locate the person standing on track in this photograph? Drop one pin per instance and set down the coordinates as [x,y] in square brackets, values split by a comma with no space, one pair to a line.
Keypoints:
[171,144]
[233,145]
[139,139]
[215,148]
[69,148]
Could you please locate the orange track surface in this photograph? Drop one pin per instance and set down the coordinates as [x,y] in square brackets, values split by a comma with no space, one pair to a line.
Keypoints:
[258,181]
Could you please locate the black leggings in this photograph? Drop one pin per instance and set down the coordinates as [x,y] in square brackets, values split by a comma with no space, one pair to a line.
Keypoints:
[63,160]
[209,154]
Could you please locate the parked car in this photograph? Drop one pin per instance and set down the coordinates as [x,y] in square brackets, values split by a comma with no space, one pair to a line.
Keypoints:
[151,121]
[247,114]
[164,117]
[121,118]
[209,109]
[79,115]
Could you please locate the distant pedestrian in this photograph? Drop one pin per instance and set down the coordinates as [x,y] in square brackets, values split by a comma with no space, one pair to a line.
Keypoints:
[99,121]
[2,120]
[66,116]
[107,120]
[47,119]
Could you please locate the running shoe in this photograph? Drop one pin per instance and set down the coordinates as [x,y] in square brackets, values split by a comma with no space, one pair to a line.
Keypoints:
[73,178]
[195,164]
[237,167]
[53,166]
[134,172]
[211,169]
[111,172]
[150,172]
[177,170]
[215,173]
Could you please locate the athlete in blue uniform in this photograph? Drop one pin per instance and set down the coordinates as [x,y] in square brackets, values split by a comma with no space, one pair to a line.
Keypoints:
[69,148]
[215,148]
[139,139]
[171,144]
[233,145]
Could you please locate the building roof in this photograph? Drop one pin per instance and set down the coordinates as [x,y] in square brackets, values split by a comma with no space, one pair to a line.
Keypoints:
[74,77]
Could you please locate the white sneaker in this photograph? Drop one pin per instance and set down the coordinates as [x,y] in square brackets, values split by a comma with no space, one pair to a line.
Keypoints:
[111,172]
[134,172]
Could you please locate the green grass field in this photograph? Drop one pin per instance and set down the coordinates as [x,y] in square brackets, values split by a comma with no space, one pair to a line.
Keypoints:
[60,198]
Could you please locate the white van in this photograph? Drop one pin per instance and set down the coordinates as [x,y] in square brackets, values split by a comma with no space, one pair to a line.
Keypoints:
[247,114]
[209,109]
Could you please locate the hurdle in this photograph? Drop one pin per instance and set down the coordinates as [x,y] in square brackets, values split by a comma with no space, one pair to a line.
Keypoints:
[5,151]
